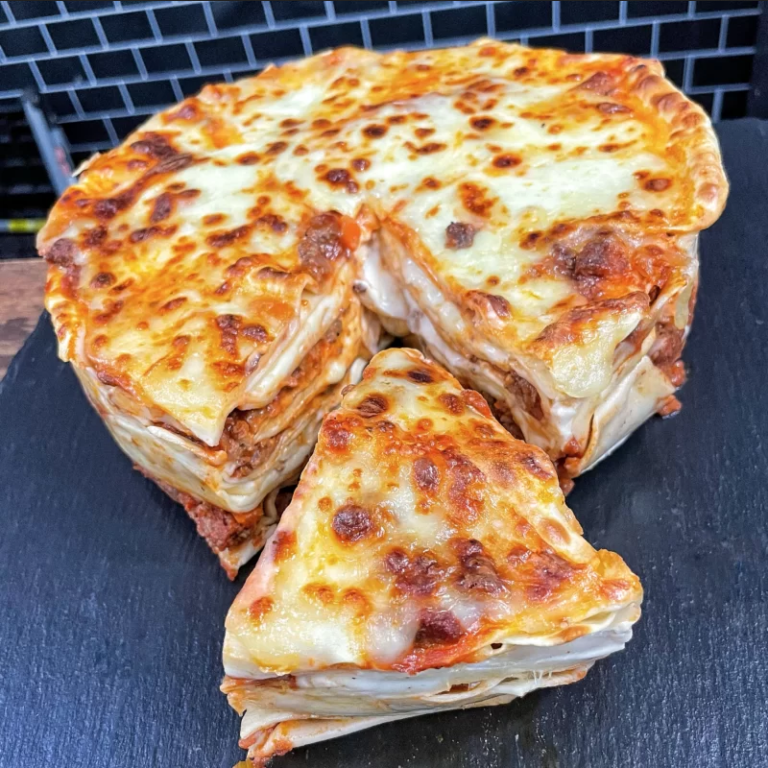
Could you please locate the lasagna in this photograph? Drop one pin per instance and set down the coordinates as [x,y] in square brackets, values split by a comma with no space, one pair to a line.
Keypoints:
[529,218]
[427,562]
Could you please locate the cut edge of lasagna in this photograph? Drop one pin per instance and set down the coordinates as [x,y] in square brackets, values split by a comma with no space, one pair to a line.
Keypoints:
[427,562]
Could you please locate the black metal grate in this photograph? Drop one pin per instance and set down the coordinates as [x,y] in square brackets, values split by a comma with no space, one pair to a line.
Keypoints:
[105,66]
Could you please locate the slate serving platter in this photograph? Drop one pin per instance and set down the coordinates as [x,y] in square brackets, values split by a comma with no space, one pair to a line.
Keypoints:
[111,608]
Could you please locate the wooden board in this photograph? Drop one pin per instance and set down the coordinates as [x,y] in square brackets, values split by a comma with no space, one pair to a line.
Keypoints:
[21,302]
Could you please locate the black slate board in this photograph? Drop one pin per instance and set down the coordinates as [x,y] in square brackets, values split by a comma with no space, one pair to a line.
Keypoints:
[111,608]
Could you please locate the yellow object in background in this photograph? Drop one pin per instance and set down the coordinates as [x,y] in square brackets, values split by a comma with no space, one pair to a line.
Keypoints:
[21,225]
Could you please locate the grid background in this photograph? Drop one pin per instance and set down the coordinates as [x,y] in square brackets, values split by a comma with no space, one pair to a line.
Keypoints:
[105,66]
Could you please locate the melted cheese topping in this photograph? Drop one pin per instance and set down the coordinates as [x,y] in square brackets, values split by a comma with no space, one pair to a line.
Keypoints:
[420,534]
[479,160]
[282,435]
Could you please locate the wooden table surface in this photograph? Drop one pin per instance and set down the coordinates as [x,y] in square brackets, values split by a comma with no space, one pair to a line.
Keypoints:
[21,302]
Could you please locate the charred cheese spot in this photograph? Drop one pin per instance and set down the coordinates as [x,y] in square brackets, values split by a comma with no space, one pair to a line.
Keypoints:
[530,240]
[603,256]
[255,333]
[429,183]
[372,405]
[94,237]
[357,601]
[106,209]
[162,208]
[477,570]
[375,131]
[225,239]
[62,252]
[228,326]
[612,108]
[351,523]
[173,163]
[452,403]
[283,545]
[426,149]
[490,301]
[320,593]
[437,628]
[248,158]
[228,369]
[476,199]
[465,492]
[340,177]
[601,83]
[482,123]
[556,533]
[102,280]
[187,111]
[154,145]
[542,574]
[420,375]
[276,147]
[426,474]
[140,235]
[506,160]
[615,590]
[112,308]
[657,185]
[418,576]
[337,436]
[537,465]
[361,164]
[272,221]
[260,608]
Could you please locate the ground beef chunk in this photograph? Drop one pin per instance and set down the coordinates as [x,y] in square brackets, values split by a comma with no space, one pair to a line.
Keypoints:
[219,527]
[240,443]
[525,393]
[322,244]
[459,235]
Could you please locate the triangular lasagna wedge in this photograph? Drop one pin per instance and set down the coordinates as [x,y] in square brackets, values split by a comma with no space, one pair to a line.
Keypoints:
[427,562]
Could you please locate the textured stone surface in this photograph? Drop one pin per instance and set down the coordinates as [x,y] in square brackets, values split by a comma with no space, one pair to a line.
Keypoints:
[111,608]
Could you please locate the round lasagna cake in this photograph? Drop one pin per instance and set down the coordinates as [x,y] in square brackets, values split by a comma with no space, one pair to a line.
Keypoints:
[528,218]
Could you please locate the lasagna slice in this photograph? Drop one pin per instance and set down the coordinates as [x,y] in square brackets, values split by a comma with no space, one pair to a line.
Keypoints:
[427,562]
[210,317]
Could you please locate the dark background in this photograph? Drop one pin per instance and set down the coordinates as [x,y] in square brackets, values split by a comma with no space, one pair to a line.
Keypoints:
[105,66]
[112,608]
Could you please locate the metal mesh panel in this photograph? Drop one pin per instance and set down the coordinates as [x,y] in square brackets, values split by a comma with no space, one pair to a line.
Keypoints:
[105,66]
